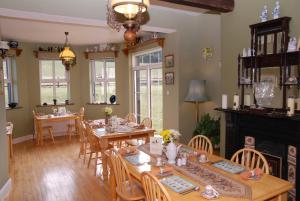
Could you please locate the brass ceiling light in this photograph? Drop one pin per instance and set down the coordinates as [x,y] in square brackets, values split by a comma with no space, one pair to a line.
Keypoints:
[67,55]
[132,11]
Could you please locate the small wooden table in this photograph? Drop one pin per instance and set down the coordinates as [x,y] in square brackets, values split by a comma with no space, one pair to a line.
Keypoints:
[46,119]
[9,133]
[106,138]
[264,189]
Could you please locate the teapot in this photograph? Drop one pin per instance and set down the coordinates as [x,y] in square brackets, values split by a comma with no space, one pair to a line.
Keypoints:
[172,151]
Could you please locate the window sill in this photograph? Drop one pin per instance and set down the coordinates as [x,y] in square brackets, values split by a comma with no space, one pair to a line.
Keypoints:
[102,104]
[18,107]
[52,105]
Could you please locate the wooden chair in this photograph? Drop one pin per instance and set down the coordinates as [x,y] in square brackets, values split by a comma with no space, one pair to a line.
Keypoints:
[49,129]
[126,188]
[84,145]
[147,122]
[130,117]
[201,142]
[154,190]
[94,147]
[72,126]
[251,159]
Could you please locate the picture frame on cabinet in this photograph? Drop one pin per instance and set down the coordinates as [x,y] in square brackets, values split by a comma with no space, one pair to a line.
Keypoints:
[169,61]
[169,78]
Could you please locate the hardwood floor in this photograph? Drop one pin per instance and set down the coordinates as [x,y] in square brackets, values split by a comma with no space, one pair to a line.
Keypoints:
[53,172]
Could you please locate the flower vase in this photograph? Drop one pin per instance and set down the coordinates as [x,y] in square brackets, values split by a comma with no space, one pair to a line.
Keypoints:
[107,117]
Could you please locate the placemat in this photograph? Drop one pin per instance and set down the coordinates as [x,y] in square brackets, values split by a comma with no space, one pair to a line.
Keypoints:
[177,184]
[137,159]
[229,167]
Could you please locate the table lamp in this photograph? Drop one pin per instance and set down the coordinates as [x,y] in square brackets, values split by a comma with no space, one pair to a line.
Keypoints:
[196,94]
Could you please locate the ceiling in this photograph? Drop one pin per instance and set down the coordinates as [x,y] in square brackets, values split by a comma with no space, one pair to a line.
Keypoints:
[49,32]
[35,27]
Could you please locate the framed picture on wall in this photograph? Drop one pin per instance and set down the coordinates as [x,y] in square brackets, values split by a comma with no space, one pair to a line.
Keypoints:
[169,61]
[169,78]
[1,82]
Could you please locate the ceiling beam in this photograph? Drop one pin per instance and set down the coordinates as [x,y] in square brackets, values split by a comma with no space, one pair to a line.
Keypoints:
[212,5]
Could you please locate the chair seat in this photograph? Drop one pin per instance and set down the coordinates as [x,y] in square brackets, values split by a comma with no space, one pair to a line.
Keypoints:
[47,127]
[137,193]
[71,125]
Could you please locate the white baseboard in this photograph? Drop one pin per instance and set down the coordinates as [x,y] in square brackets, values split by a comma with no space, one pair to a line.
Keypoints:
[22,139]
[4,191]
[30,137]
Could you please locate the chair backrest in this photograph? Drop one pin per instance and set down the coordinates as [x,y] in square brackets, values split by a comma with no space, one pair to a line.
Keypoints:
[82,131]
[81,113]
[92,139]
[251,159]
[201,142]
[154,190]
[120,171]
[130,117]
[147,122]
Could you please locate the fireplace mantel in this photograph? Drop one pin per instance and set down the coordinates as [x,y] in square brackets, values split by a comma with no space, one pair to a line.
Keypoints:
[274,127]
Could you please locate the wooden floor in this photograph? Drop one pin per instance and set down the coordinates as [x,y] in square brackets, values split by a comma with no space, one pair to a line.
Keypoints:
[53,173]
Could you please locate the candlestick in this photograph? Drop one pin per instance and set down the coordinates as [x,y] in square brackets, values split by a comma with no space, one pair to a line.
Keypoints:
[247,100]
[224,101]
[236,102]
[291,106]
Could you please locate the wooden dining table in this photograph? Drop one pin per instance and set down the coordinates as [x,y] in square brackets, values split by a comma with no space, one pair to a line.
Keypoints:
[105,138]
[40,120]
[266,188]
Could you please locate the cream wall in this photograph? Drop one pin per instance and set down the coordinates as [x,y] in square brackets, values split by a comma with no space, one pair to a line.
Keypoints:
[235,35]
[3,141]
[29,91]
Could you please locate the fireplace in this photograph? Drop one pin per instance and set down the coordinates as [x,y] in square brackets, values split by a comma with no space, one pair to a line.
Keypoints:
[276,137]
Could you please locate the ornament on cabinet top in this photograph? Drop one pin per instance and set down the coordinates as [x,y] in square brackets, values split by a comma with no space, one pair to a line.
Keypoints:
[276,10]
[264,14]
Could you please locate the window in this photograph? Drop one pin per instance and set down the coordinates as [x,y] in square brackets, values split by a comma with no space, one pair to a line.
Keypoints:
[54,82]
[103,83]
[10,81]
[148,86]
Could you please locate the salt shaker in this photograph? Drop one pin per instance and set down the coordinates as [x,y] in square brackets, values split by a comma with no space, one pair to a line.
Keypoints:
[179,163]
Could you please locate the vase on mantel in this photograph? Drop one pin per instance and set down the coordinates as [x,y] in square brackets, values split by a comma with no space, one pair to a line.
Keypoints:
[107,117]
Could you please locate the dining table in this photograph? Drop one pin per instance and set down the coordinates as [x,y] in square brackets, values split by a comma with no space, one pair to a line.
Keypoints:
[232,186]
[41,120]
[109,137]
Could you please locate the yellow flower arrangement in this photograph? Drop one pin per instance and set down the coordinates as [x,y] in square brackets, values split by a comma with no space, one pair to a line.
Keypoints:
[170,135]
[108,111]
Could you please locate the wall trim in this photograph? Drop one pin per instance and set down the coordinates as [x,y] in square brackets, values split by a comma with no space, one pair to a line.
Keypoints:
[30,137]
[4,191]
[22,139]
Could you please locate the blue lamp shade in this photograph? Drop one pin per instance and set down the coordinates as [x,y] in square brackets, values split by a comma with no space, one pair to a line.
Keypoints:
[197,92]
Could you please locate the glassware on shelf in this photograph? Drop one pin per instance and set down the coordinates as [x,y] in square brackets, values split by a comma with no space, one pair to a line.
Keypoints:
[264,93]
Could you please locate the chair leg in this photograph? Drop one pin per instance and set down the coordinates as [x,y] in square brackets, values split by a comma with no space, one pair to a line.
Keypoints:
[51,134]
[84,152]
[91,154]
[96,159]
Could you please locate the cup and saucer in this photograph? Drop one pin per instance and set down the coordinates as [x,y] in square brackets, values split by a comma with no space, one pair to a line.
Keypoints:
[203,158]
[210,193]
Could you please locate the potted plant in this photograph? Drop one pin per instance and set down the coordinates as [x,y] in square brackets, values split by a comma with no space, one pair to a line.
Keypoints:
[209,127]
[108,112]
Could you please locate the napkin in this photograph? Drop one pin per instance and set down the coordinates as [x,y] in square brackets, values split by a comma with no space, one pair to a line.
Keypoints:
[252,174]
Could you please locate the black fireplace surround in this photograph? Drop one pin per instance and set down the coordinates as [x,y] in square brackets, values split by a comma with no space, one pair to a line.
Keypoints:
[277,130]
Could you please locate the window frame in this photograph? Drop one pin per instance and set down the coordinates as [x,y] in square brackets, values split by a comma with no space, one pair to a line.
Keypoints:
[11,81]
[94,80]
[148,68]
[54,81]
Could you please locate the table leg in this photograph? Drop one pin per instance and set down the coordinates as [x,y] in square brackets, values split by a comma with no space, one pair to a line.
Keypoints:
[11,153]
[104,146]
[150,134]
